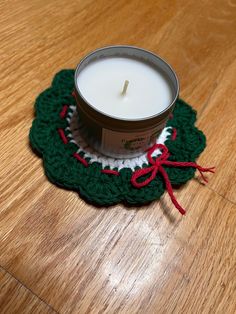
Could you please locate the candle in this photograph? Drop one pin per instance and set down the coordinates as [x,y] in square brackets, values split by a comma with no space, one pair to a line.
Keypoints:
[147,91]
[124,96]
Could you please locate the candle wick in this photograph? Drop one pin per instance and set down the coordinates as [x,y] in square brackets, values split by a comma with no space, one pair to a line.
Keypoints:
[126,83]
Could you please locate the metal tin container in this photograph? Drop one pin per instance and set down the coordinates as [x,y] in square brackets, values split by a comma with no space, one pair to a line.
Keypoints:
[123,138]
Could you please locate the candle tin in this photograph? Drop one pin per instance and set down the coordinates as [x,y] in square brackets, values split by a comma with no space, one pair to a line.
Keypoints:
[116,137]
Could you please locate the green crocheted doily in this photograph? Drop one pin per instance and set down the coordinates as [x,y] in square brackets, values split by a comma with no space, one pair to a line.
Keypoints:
[55,136]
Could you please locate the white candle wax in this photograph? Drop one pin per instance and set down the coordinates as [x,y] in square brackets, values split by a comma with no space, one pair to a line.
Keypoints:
[101,83]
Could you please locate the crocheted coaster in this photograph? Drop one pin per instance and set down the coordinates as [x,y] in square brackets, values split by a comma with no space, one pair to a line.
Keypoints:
[69,162]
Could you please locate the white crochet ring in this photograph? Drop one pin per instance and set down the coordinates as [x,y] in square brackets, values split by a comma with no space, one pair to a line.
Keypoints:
[95,156]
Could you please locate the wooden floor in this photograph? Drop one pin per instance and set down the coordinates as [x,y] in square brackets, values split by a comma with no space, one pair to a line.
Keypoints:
[59,254]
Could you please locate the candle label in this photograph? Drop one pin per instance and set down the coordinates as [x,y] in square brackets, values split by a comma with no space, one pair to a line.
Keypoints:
[129,142]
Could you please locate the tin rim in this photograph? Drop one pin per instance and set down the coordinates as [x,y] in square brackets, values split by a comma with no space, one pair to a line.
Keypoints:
[159,115]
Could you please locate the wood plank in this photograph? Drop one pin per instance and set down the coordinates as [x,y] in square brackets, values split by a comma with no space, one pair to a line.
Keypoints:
[199,275]
[15,298]
[85,260]
[218,123]
[200,43]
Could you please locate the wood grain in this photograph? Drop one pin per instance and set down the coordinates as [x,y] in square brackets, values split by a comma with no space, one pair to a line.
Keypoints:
[58,250]
[218,121]
[15,298]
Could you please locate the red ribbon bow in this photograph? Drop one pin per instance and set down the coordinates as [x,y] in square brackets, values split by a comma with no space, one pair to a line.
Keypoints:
[156,166]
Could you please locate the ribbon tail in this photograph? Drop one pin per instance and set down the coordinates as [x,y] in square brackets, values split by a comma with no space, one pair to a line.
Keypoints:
[170,191]
[190,164]
[201,170]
